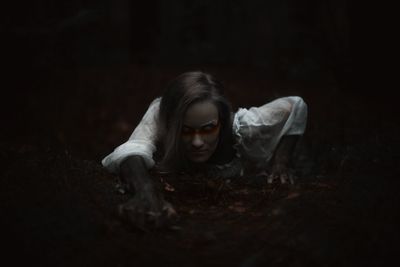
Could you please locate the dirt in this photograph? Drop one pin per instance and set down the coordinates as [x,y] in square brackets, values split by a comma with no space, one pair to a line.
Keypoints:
[58,204]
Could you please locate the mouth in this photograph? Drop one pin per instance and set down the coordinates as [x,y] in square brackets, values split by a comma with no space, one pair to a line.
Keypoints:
[198,153]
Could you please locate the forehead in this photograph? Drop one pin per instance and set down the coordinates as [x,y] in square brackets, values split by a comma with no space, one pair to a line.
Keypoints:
[200,113]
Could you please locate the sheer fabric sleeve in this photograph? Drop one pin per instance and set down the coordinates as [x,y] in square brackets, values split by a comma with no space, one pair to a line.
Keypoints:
[258,130]
[141,142]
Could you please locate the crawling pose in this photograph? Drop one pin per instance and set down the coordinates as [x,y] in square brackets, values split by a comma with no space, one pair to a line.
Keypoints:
[193,129]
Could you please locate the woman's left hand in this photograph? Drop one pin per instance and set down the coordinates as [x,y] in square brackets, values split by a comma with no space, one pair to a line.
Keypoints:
[280,167]
[281,172]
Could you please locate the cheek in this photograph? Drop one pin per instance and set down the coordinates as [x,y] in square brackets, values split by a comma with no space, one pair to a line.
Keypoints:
[212,140]
[186,141]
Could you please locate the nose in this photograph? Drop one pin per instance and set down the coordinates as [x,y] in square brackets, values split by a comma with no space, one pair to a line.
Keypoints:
[197,141]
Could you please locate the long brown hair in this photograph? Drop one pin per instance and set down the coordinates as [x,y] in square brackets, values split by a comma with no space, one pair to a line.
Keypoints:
[181,92]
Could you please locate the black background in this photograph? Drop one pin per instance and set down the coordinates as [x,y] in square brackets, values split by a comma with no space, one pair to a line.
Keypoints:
[78,76]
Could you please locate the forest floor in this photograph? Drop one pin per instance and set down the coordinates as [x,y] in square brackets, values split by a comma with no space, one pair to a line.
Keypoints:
[58,205]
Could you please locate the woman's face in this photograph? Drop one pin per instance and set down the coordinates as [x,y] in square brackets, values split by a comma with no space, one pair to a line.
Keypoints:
[200,131]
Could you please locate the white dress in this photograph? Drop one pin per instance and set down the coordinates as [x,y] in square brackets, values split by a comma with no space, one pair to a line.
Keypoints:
[257,131]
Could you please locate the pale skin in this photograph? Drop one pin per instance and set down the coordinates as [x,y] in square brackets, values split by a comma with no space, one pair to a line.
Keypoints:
[200,137]
[200,133]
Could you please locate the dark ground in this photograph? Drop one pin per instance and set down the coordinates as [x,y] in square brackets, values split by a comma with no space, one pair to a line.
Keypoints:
[58,204]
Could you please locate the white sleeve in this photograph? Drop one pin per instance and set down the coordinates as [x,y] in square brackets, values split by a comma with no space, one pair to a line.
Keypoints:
[297,120]
[141,142]
[259,129]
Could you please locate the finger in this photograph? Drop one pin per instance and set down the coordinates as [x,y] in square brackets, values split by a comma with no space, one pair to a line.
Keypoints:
[169,211]
[153,213]
[291,178]
[123,211]
[139,220]
[159,221]
[164,218]
[120,188]
[120,210]
[284,178]
[153,219]
[262,173]
[270,179]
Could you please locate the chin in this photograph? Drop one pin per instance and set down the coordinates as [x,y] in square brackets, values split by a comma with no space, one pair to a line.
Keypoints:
[198,159]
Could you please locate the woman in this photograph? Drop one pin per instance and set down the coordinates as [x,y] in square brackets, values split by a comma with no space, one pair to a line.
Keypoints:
[193,129]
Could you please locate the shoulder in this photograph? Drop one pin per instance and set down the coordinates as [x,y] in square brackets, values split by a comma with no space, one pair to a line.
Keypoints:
[155,104]
[288,101]
[272,113]
[281,108]
[256,115]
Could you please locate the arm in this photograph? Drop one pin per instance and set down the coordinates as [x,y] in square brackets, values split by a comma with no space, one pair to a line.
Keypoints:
[285,149]
[281,159]
[131,161]
[268,134]
[259,130]
[140,143]
[134,174]
[293,129]
[147,208]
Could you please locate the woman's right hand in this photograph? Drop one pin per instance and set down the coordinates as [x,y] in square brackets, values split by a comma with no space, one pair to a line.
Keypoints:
[148,211]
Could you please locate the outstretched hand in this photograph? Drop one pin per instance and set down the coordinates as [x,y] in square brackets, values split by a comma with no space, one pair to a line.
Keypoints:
[280,167]
[148,211]
[282,173]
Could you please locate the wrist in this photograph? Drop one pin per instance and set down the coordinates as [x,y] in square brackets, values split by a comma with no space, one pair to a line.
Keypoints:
[148,190]
[281,160]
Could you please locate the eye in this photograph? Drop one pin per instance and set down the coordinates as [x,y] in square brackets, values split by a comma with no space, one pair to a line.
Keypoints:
[209,128]
[186,130]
